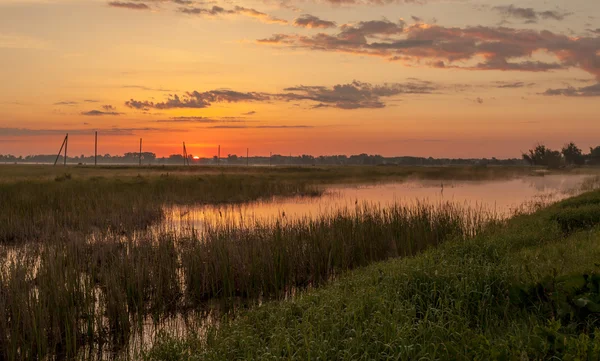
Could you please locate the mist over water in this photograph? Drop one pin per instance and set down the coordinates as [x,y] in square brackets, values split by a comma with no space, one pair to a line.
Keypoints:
[499,197]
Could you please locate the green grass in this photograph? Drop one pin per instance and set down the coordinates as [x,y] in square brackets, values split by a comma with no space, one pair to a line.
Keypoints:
[41,203]
[62,296]
[328,174]
[524,291]
[80,268]
[42,210]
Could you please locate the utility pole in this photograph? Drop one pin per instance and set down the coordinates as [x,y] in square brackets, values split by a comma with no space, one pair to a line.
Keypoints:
[96,150]
[66,145]
[185,156]
[270,158]
[247,159]
[219,156]
[61,149]
[140,152]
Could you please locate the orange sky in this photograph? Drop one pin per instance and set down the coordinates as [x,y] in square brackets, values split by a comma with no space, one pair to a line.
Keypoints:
[443,78]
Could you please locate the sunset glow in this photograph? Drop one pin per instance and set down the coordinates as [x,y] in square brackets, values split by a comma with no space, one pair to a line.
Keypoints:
[485,78]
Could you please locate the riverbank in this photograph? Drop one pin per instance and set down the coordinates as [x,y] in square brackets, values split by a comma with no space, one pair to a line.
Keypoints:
[526,290]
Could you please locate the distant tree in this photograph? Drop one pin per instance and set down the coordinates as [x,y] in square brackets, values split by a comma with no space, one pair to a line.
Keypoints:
[148,156]
[541,155]
[573,155]
[594,155]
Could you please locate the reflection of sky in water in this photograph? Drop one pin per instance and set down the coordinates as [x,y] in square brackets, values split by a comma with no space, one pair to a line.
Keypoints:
[501,197]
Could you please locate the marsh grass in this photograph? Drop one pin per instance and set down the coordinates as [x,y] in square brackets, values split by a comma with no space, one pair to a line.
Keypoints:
[527,289]
[327,174]
[46,210]
[77,293]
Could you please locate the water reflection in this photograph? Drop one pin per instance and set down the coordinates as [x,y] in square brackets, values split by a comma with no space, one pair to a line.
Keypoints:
[503,197]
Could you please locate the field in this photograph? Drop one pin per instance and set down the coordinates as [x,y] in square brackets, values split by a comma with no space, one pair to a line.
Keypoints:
[87,266]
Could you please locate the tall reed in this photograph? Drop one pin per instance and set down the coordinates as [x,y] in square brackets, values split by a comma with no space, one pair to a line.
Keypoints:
[77,292]
[45,210]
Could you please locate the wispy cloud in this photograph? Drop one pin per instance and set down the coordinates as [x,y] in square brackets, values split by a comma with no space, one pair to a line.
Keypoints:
[588,91]
[142,87]
[238,10]
[436,46]
[116,131]
[313,22]
[200,120]
[512,85]
[98,113]
[260,127]
[129,5]
[195,99]
[69,103]
[530,15]
[353,95]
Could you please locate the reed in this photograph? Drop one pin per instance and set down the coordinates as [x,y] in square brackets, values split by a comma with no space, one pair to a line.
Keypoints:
[46,210]
[77,292]
[527,290]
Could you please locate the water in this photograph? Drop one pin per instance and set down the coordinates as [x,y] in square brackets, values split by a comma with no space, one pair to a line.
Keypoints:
[500,197]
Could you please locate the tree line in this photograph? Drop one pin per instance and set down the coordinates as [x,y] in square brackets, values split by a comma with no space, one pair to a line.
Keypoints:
[275,159]
[569,155]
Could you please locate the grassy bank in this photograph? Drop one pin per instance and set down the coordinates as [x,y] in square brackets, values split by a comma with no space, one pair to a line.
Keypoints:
[43,210]
[65,295]
[327,174]
[526,291]
[40,203]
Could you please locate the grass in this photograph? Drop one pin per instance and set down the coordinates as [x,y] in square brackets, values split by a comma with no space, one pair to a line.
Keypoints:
[322,174]
[81,270]
[59,297]
[528,290]
[42,210]
[41,203]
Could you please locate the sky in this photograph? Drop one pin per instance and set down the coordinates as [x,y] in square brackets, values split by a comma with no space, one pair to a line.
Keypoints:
[440,78]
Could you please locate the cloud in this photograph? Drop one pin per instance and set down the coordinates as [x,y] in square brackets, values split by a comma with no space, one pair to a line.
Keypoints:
[512,85]
[313,22]
[109,108]
[129,5]
[529,66]
[353,95]
[215,10]
[202,120]
[114,131]
[198,100]
[250,113]
[492,48]
[74,102]
[141,87]
[260,126]
[529,14]
[375,2]
[69,103]
[97,113]
[588,91]
[238,10]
